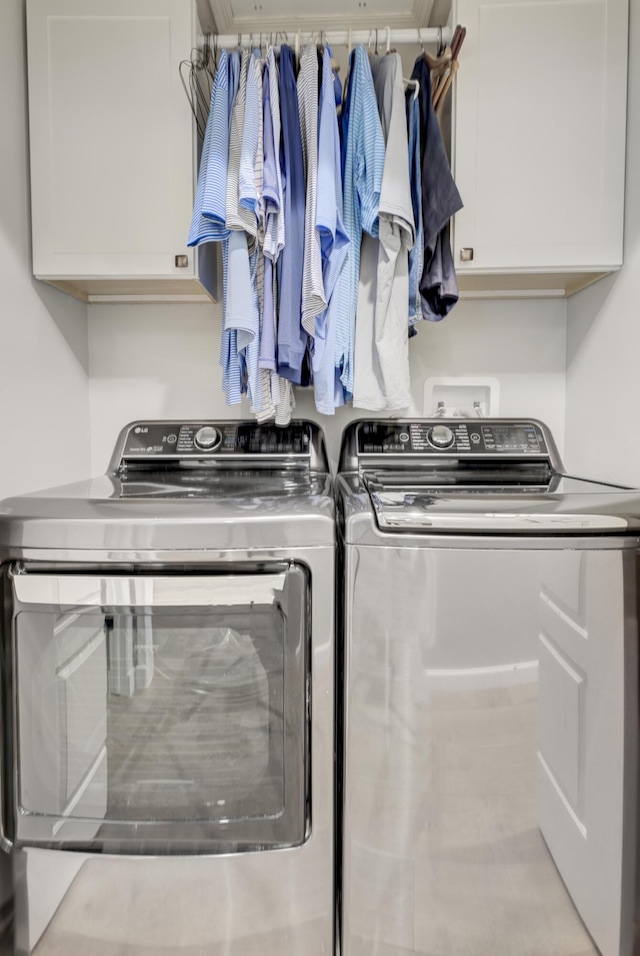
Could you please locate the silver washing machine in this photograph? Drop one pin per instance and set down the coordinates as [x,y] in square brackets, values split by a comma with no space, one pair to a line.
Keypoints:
[490,695]
[168,703]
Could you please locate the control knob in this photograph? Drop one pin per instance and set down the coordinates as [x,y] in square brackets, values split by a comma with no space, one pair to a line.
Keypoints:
[441,437]
[207,438]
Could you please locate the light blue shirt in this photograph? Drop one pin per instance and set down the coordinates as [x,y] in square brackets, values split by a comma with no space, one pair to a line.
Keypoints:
[242,315]
[208,222]
[328,390]
[231,360]
[364,153]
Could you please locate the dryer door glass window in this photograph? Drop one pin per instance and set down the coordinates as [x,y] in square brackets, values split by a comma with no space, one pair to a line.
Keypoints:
[155,710]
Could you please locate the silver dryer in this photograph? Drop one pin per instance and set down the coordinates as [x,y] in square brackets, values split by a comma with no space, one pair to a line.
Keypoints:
[168,675]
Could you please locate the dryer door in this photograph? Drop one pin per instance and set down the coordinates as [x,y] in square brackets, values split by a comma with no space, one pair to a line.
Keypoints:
[161,712]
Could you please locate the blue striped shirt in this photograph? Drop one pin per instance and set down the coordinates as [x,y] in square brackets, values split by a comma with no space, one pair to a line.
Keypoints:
[208,222]
[364,153]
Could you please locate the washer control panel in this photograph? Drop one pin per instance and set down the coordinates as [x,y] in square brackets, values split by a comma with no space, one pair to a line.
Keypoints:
[463,437]
[173,440]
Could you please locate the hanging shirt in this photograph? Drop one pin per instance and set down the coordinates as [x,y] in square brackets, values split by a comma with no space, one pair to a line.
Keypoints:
[258,382]
[209,214]
[440,201]
[248,196]
[272,190]
[242,315]
[242,311]
[416,255]
[328,390]
[313,295]
[381,374]
[208,222]
[232,359]
[277,394]
[362,178]
[237,217]
[267,358]
[292,338]
[271,193]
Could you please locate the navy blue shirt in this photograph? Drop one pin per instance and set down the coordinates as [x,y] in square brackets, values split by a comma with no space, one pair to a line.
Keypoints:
[440,201]
[292,338]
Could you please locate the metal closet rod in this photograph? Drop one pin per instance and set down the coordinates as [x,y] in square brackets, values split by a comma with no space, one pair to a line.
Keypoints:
[337,37]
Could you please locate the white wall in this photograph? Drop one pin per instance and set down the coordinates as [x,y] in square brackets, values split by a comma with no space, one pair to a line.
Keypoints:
[44,359]
[603,335]
[162,361]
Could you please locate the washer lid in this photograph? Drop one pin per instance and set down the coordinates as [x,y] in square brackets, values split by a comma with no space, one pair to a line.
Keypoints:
[472,476]
[562,505]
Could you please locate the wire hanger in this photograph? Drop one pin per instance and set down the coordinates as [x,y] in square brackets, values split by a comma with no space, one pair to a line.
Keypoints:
[196,76]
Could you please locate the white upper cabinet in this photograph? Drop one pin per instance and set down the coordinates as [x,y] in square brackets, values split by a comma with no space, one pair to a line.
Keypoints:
[255,16]
[540,118]
[113,150]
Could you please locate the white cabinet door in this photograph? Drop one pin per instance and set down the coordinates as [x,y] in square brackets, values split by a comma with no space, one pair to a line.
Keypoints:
[540,134]
[587,720]
[112,144]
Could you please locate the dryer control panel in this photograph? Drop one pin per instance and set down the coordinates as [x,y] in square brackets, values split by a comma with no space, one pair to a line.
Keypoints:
[174,445]
[198,439]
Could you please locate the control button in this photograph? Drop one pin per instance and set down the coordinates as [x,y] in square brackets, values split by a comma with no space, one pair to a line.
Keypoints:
[475,438]
[404,437]
[172,439]
[441,436]
[207,438]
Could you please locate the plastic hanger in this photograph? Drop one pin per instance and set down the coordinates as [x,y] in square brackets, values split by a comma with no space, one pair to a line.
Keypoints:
[412,83]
